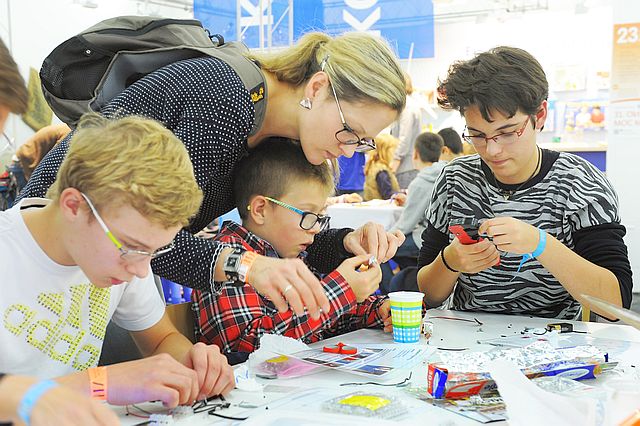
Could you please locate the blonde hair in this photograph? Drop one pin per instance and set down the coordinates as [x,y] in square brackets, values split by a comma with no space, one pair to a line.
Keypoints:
[383,154]
[361,67]
[131,161]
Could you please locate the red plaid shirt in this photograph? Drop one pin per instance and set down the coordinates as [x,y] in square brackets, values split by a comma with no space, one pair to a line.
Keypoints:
[237,317]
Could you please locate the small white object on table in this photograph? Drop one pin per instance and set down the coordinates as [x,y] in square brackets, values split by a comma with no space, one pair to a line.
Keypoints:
[354,215]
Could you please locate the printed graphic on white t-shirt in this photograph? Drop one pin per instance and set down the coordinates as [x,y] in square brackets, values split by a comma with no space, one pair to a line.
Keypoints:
[53,319]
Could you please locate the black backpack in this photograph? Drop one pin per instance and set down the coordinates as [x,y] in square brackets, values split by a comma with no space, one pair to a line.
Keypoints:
[87,71]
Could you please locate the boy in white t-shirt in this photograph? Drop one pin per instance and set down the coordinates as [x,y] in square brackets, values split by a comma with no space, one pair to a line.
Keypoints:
[74,261]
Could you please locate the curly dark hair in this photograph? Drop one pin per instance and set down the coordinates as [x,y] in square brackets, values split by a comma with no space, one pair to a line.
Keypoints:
[506,79]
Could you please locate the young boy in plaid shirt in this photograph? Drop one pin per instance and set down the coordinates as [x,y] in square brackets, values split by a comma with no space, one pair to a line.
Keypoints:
[280,197]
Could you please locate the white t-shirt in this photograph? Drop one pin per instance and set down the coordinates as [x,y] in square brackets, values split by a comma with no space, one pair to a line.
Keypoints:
[53,318]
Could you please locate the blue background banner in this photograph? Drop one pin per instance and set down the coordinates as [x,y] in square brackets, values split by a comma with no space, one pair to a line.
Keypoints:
[406,24]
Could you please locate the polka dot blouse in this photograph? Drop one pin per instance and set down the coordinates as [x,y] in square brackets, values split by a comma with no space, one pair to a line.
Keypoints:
[205,104]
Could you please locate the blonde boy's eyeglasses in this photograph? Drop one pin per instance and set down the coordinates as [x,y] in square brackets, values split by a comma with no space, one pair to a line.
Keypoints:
[127,254]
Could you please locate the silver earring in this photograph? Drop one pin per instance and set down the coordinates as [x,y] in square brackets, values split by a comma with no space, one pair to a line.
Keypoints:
[305,103]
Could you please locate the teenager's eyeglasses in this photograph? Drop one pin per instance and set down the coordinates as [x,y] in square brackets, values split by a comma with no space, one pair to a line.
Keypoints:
[309,219]
[127,254]
[508,138]
[347,135]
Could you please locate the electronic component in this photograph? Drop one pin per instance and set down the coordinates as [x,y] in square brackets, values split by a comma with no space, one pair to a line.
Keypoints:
[561,327]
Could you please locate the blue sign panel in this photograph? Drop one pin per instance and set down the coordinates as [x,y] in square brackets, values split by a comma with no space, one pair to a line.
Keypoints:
[406,24]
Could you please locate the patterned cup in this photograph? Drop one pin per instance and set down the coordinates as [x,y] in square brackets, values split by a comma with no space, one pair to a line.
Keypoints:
[406,314]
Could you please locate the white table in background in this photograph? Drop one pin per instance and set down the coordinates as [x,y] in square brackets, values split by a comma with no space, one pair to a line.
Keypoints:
[448,333]
[354,215]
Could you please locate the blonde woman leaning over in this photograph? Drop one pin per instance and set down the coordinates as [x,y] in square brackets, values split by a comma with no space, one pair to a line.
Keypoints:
[332,94]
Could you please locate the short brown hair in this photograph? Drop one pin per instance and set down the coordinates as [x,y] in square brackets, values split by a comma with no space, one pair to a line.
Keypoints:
[133,161]
[13,92]
[272,167]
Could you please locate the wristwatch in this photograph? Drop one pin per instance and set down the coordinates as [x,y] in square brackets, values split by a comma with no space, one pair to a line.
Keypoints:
[236,266]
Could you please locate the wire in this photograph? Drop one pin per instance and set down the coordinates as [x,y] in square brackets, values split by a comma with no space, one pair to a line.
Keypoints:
[474,320]
[129,413]
[402,383]
[211,413]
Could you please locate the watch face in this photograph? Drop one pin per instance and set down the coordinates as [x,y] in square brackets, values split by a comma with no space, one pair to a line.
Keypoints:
[232,262]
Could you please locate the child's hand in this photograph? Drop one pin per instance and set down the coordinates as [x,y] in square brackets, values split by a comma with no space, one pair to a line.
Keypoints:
[363,283]
[384,311]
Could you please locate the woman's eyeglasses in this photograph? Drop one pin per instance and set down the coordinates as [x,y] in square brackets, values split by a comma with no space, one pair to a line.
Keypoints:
[347,135]
[309,219]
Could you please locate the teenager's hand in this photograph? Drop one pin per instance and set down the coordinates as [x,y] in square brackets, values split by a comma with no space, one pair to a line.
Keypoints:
[471,258]
[289,280]
[215,376]
[57,406]
[159,377]
[362,283]
[372,238]
[384,311]
[510,234]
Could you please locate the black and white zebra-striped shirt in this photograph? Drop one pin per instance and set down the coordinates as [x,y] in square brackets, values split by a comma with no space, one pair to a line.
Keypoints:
[570,199]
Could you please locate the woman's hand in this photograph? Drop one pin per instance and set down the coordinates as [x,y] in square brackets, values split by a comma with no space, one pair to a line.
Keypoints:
[289,281]
[371,238]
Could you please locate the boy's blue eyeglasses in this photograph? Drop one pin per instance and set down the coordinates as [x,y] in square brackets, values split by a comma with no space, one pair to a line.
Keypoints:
[127,254]
[309,219]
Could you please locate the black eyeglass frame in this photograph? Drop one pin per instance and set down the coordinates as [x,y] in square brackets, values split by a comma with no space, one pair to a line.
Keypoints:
[351,138]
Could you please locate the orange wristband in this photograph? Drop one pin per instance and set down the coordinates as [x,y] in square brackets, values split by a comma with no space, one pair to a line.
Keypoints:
[98,382]
[248,258]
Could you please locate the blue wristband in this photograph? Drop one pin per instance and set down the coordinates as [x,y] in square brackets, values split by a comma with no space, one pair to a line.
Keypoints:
[542,244]
[32,396]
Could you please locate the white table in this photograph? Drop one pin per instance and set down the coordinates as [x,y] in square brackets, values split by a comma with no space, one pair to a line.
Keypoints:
[447,334]
[347,215]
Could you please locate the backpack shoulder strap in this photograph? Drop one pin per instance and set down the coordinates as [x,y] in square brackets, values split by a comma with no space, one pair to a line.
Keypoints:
[235,54]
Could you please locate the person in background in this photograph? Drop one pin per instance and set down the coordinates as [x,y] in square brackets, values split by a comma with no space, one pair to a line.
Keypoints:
[380,182]
[37,146]
[351,178]
[412,221]
[334,94]
[281,197]
[453,147]
[549,220]
[81,257]
[50,403]
[406,129]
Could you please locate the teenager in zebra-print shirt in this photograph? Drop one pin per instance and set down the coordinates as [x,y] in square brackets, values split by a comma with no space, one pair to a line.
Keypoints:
[553,207]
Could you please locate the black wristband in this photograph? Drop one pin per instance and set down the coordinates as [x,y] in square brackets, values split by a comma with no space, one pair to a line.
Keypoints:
[446,264]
